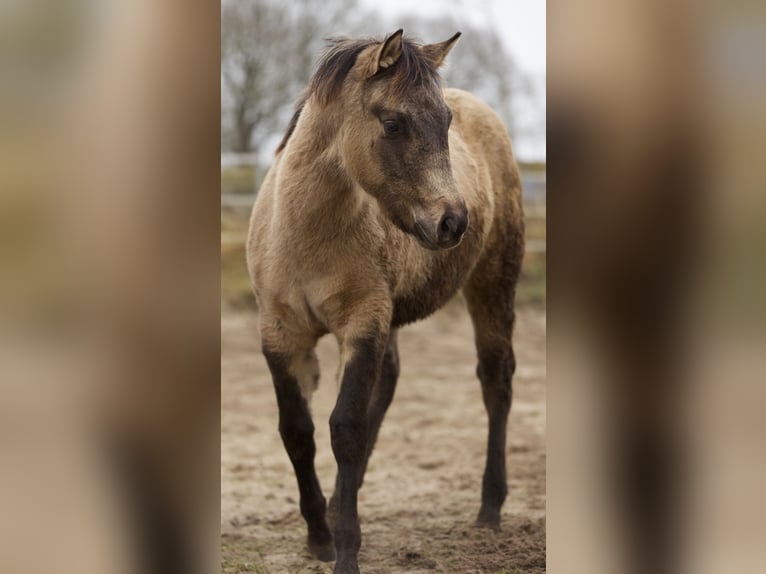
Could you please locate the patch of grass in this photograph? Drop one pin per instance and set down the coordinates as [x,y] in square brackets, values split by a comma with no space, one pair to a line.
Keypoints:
[239,179]
[531,288]
[534,226]
[536,166]
[233,220]
[236,289]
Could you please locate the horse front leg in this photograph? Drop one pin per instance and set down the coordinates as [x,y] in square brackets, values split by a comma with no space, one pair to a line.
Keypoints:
[382,395]
[349,428]
[294,375]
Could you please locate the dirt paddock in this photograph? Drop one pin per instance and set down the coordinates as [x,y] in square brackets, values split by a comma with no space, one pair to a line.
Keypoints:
[422,488]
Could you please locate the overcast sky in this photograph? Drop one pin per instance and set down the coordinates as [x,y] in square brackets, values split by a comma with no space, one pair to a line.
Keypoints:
[521,26]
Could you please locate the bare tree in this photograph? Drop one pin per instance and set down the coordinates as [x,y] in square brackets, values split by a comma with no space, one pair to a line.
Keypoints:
[267,51]
[268,48]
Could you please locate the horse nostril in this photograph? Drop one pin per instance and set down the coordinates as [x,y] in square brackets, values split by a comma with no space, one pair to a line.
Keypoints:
[451,228]
[447,226]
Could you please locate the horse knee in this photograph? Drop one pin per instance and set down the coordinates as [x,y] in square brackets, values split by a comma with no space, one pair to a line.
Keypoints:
[390,366]
[348,434]
[384,392]
[511,360]
[496,364]
[297,434]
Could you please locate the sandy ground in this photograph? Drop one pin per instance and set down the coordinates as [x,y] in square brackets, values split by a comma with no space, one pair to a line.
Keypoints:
[422,489]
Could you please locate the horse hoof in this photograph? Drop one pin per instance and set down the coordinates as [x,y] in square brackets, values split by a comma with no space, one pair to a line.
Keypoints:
[323,552]
[488,519]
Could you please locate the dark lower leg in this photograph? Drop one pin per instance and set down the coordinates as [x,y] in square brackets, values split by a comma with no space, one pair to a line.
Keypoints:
[495,372]
[297,431]
[348,442]
[349,427]
[312,501]
[382,395]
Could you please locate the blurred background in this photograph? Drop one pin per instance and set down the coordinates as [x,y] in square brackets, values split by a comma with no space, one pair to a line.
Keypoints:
[655,228]
[109,286]
[111,132]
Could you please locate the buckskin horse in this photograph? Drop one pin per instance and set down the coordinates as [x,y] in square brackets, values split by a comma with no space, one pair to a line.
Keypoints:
[387,195]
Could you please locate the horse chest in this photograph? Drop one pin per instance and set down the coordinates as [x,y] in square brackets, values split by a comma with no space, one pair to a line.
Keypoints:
[421,303]
[443,278]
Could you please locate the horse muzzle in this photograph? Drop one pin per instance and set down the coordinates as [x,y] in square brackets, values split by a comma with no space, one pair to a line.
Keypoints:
[447,233]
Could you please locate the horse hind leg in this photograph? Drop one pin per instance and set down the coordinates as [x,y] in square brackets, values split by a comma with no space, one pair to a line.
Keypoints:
[490,304]
[294,379]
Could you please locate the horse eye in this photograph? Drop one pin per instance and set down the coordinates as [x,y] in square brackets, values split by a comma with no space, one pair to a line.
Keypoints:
[392,127]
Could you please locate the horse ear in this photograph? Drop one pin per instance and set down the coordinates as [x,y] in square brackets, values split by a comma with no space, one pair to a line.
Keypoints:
[438,52]
[389,52]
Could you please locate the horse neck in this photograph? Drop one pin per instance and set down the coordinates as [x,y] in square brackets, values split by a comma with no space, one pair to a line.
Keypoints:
[312,185]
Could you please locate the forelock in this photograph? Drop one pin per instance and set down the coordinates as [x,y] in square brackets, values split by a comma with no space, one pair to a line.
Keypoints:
[412,70]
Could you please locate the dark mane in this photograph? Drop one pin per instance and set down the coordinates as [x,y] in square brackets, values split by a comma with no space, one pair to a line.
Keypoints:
[334,65]
[413,69]
[293,122]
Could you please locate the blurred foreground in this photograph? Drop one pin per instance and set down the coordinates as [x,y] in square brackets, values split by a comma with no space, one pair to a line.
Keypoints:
[109,295]
[655,303]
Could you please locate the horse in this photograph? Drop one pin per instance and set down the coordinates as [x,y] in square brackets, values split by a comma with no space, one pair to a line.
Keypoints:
[387,195]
